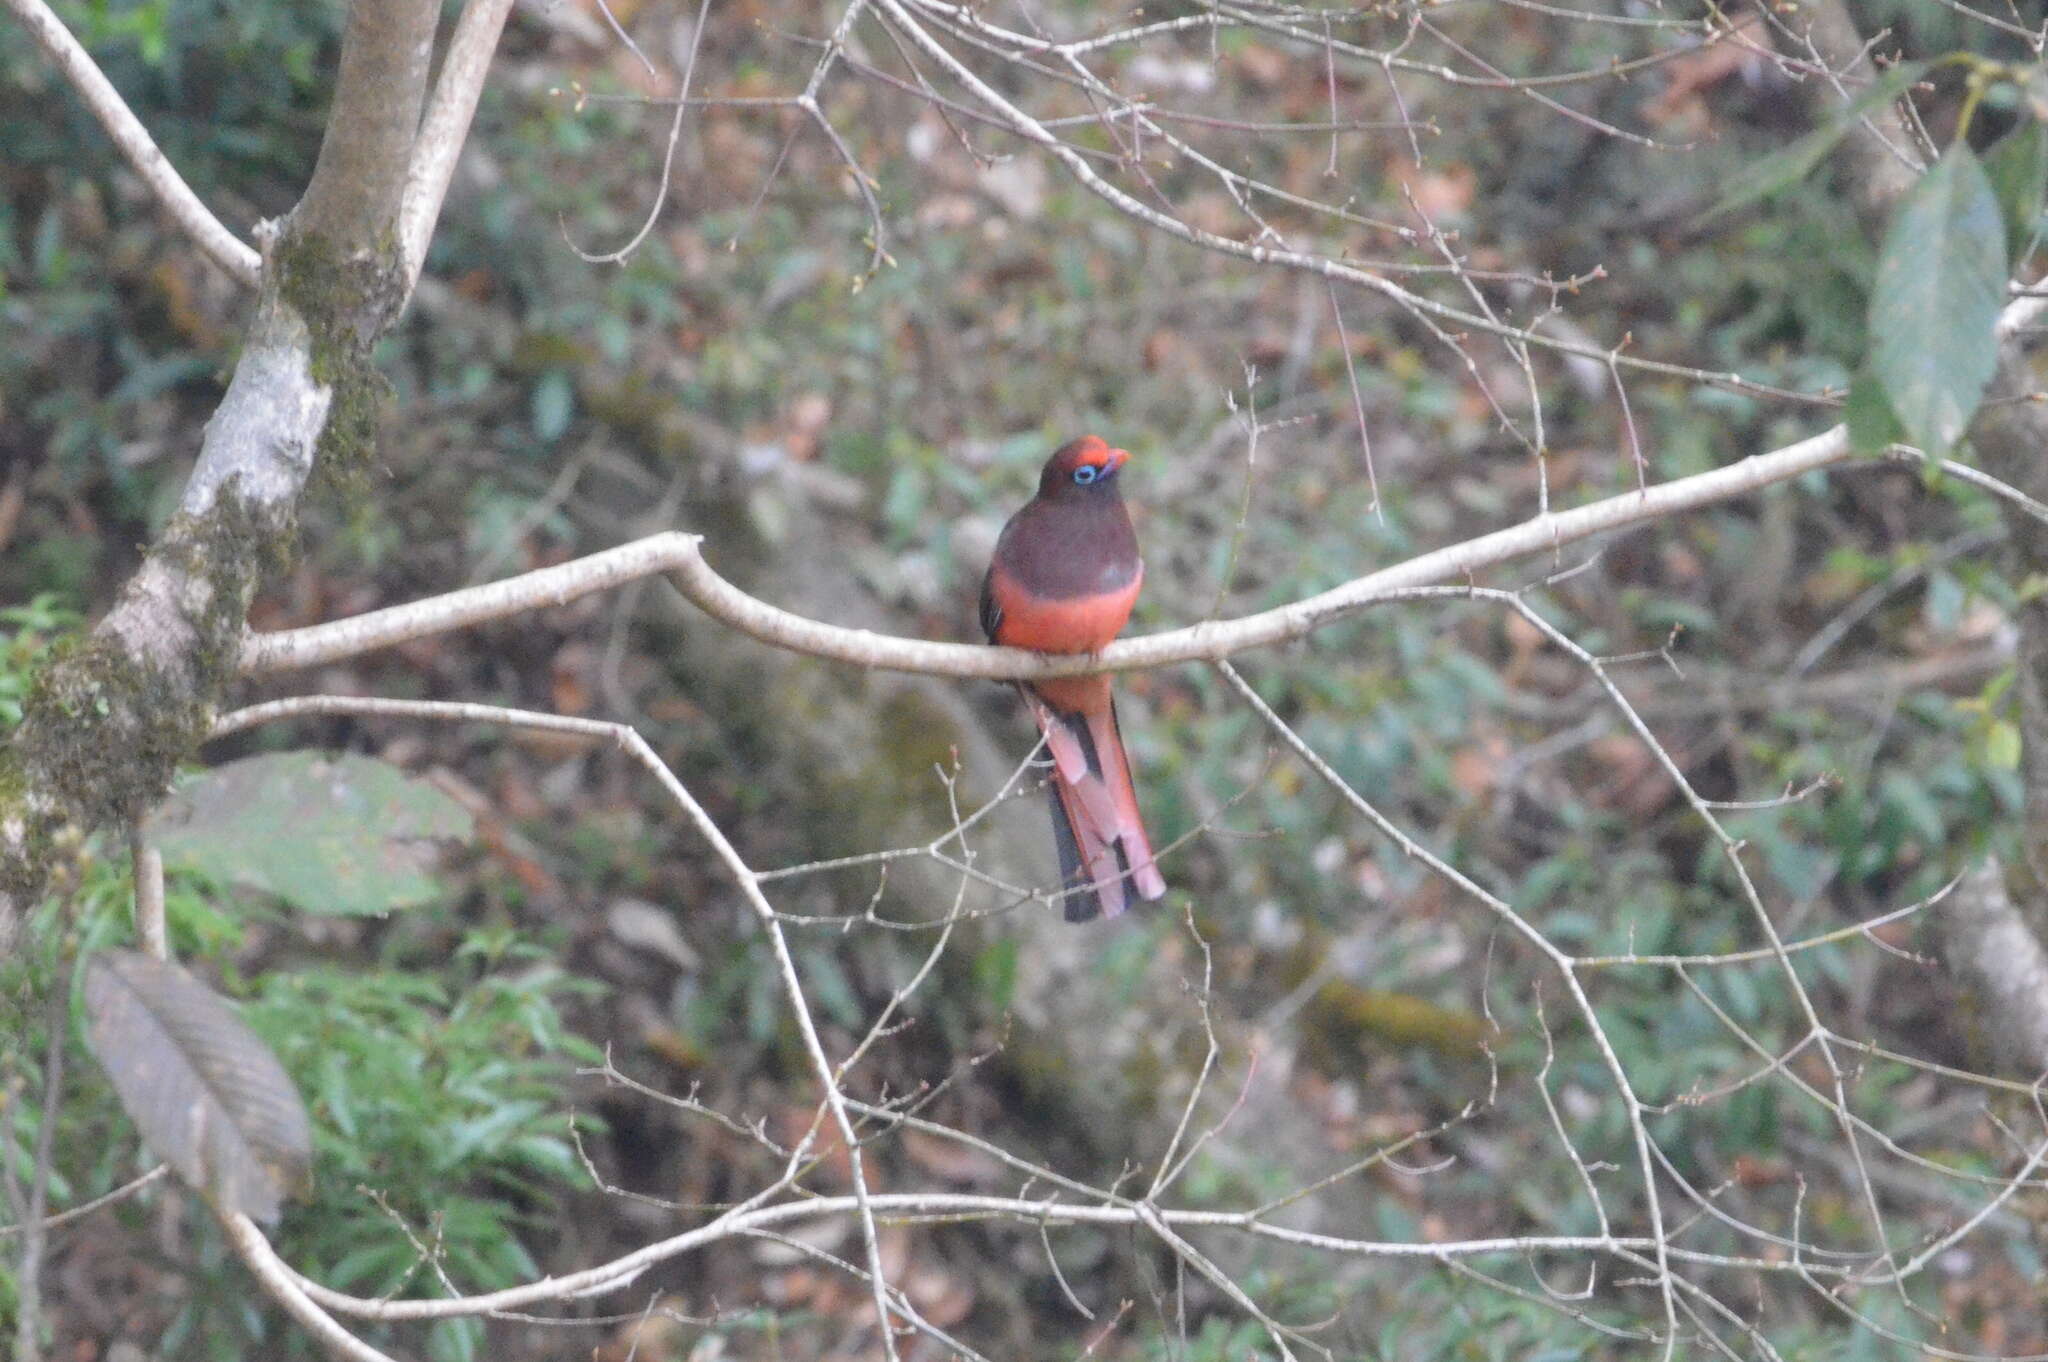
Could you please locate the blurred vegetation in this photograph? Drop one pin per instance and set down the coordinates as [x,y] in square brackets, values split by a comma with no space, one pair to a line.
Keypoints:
[435,1086]
[544,406]
[435,1077]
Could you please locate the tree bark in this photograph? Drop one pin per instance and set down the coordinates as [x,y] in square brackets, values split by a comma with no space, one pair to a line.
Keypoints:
[108,722]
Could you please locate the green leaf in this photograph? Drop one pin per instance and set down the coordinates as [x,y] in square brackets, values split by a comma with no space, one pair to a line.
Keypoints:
[346,835]
[1940,285]
[455,1340]
[2002,745]
[1912,801]
[2017,166]
[1945,600]
[1872,424]
[995,974]
[1763,178]
[554,402]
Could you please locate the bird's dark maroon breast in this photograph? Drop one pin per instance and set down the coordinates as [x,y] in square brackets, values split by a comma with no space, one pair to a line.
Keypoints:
[1065,549]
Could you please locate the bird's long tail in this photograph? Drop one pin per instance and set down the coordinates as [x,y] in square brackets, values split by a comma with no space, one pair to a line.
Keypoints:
[1105,857]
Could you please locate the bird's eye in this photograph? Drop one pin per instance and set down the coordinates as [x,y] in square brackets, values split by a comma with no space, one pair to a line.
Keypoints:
[1086,474]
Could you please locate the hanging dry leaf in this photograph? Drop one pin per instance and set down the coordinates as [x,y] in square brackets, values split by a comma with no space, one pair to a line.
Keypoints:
[208,1096]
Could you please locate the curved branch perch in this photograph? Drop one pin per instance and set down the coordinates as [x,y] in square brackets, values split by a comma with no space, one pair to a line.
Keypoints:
[681,555]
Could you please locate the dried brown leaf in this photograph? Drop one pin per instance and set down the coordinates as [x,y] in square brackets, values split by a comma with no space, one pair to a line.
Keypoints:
[208,1096]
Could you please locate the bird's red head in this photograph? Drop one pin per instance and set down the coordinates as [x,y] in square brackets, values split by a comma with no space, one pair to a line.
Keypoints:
[1081,465]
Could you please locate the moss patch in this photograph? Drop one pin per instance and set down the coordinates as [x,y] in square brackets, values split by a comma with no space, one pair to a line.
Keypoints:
[346,304]
[103,728]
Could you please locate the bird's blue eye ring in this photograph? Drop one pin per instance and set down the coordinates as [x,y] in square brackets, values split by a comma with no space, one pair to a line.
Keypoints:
[1086,474]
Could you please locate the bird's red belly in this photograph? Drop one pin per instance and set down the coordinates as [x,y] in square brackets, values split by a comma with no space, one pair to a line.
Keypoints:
[1081,624]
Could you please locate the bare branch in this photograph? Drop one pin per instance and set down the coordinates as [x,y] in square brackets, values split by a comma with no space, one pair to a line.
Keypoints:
[287,1289]
[121,1193]
[636,747]
[28,1275]
[148,874]
[445,129]
[668,158]
[682,556]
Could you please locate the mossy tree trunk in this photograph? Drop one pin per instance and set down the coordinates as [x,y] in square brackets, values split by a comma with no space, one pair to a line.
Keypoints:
[111,716]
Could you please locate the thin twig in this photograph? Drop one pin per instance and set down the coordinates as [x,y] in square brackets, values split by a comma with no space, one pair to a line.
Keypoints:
[80,1211]
[148,873]
[28,1277]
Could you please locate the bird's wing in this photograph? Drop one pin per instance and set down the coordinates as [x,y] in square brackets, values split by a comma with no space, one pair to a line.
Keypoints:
[991,608]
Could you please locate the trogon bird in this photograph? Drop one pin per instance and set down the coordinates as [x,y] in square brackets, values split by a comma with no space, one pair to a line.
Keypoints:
[1064,575]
